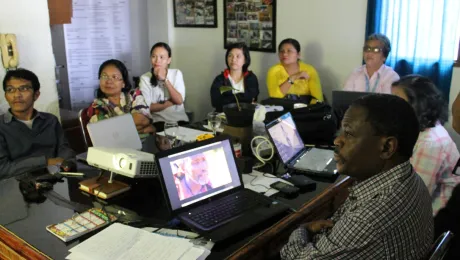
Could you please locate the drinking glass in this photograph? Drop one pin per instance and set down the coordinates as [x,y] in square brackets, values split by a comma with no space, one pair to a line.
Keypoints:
[171,130]
[214,121]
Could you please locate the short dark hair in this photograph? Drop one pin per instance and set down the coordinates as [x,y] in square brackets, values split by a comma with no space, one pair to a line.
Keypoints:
[294,43]
[426,99]
[390,115]
[247,57]
[153,79]
[124,74]
[22,74]
[384,40]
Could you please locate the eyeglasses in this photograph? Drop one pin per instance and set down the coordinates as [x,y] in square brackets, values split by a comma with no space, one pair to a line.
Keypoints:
[114,77]
[372,49]
[22,89]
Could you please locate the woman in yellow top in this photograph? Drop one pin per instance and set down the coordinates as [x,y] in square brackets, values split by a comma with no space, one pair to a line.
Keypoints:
[291,78]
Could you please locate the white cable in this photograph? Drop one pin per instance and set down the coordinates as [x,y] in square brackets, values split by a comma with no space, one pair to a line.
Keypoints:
[256,152]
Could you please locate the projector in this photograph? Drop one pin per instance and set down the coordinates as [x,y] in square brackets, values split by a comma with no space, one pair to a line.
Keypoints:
[124,161]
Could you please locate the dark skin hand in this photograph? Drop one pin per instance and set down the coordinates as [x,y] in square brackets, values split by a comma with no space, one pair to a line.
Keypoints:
[316,226]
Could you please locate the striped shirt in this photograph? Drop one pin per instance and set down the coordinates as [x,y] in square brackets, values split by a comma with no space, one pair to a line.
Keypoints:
[387,216]
[434,158]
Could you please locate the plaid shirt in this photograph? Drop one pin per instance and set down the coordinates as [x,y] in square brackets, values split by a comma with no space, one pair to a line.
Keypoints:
[434,158]
[387,216]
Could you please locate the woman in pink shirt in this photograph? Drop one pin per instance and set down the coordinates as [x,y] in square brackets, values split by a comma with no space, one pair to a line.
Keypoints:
[435,153]
[374,76]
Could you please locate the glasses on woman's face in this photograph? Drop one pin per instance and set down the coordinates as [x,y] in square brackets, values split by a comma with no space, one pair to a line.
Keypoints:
[372,49]
[22,89]
[106,77]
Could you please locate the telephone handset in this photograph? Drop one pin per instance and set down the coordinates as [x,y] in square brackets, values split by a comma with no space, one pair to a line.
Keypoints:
[9,51]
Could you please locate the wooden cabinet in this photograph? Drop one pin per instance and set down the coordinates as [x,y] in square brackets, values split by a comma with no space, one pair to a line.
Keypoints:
[60,11]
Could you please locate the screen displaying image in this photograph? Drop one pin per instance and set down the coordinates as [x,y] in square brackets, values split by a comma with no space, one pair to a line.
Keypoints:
[286,138]
[200,173]
[193,175]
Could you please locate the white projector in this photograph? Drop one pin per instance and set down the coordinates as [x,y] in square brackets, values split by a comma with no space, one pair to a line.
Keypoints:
[124,161]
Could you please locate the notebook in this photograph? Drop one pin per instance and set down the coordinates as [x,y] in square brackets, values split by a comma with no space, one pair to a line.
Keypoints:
[114,132]
[100,186]
[293,153]
[81,224]
[203,189]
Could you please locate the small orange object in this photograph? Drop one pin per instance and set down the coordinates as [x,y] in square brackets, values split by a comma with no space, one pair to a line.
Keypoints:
[204,137]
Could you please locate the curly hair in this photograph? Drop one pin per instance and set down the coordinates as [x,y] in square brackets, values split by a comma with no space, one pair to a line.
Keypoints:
[426,99]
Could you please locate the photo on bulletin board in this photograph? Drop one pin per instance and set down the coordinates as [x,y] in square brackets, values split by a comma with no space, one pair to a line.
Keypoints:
[195,13]
[252,22]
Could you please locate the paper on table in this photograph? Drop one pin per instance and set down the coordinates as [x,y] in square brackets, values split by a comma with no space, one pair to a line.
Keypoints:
[123,242]
[256,179]
[219,130]
[187,134]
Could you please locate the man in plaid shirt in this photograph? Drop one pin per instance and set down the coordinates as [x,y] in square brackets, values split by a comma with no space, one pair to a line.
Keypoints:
[387,214]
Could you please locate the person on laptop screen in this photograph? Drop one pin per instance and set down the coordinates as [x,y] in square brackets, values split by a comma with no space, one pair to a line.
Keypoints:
[387,214]
[29,139]
[114,97]
[374,76]
[192,176]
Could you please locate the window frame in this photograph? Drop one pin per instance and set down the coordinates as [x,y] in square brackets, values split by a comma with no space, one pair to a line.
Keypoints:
[457,62]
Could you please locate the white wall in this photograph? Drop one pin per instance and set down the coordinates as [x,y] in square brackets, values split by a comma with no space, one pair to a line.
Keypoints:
[29,20]
[331,40]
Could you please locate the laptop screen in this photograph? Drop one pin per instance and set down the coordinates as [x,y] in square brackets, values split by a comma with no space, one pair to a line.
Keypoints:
[285,137]
[193,175]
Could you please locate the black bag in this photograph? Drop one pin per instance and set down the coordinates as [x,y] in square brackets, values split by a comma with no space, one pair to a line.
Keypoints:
[317,124]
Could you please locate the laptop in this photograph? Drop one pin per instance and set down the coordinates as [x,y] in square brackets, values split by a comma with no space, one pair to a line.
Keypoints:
[203,189]
[293,153]
[114,132]
[341,101]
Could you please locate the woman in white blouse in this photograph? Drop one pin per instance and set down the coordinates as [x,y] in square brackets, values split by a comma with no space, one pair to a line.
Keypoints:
[163,88]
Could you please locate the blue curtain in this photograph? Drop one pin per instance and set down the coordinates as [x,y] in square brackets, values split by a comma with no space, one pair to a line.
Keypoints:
[423,33]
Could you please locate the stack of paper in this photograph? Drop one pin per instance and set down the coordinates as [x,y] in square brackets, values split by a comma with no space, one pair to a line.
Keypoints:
[186,134]
[124,242]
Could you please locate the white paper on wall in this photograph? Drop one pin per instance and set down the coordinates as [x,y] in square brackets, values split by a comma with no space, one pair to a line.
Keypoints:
[99,31]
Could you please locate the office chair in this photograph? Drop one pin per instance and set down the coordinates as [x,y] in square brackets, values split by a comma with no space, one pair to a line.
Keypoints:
[441,246]
[84,119]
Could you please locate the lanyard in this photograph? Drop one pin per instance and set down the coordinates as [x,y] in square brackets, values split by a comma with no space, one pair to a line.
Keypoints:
[368,84]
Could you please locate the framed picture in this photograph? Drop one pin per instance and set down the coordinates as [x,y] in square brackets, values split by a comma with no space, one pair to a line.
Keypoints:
[252,22]
[195,13]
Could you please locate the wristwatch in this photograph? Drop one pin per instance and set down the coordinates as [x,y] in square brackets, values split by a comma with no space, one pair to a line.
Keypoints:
[290,81]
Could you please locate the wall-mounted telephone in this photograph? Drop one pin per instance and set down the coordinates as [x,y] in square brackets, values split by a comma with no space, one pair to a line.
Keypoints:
[9,51]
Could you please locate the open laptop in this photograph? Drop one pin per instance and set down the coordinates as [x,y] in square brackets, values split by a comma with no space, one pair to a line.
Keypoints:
[293,153]
[114,132]
[341,101]
[203,189]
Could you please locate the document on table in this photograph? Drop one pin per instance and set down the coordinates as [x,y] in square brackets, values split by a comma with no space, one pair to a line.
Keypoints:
[187,134]
[257,182]
[124,242]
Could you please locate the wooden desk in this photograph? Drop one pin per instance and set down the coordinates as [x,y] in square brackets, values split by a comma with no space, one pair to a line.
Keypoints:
[146,200]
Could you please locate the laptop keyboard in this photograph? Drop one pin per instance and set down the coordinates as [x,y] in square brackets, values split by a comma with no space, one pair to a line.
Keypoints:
[225,208]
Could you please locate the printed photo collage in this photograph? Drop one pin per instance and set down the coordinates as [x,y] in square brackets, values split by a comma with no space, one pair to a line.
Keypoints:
[195,12]
[250,22]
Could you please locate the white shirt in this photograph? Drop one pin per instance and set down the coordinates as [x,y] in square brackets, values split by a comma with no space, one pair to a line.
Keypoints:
[155,94]
[28,123]
[237,87]
[380,82]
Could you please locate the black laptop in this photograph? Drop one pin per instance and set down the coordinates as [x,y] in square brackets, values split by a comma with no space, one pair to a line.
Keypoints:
[203,189]
[292,151]
[341,101]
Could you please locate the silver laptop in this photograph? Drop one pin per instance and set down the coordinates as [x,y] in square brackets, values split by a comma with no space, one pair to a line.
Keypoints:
[293,153]
[114,132]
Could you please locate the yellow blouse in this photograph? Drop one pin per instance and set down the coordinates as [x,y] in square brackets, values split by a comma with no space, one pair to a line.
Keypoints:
[277,75]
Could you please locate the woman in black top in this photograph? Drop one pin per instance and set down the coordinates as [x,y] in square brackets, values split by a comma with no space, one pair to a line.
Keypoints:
[244,82]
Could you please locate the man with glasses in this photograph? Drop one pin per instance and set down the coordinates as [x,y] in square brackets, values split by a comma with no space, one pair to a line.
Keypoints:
[374,76]
[29,140]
